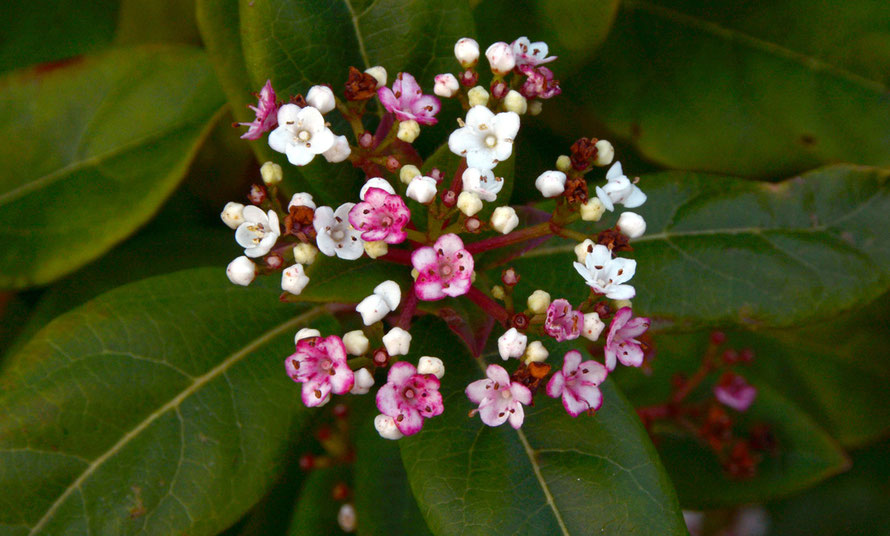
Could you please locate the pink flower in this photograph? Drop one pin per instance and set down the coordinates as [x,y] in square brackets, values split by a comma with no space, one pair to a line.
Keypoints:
[732,390]
[499,399]
[320,365]
[562,323]
[381,216]
[621,343]
[409,397]
[577,384]
[540,82]
[443,270]
[407,102]
[266,111]
[528,53]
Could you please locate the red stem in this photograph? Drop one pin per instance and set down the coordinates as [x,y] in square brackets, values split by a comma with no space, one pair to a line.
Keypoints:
[535,231]
[408,310]
[491,307]
[398,256]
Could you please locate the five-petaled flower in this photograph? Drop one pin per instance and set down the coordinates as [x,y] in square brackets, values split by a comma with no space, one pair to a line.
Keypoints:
[578,384]
[443,270]
[301,134]
[409,397]
[621,343]
[407,102]
[606,275]
[562,322]
[381,216]
[320,365]
[266,111]
[499,398]
[619,189]
[259,232]
[486,138]
[334,234]
[528,53]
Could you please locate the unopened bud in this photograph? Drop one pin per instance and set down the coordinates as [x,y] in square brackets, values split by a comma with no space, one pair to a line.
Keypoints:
[466,50]
[446,85]
[421,189]
[431,365]
[497,292]
[339,151]
[233,214]
[363,382]
[477,96]
[593,326]
[241,271]
[499,89]
[301,199]
[512,344]
[631,224]
[408,172]
[356,342]
[306,333]
[321,98]
[509,277]
[469,78]
[551,183]
[538,302]
[500,58]
[473,224]
[620,304]
[604,153]
[305,253]
[583,249]
[536,353]
[366,140]
[271,173]
[515,102]
[449,198]
[376,182]
[379,74]
[408,132]
[392,164]
[257,194]
[535,107]
[386,427]
[376,249]
[397,341]
[593,209]
[469,203]
[294,279]
[274,261]
[564,163]
[504,219]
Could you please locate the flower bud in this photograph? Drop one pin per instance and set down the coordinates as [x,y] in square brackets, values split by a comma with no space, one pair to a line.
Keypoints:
[500,58]
[356,342]
[473,224]
[271,173]
[466,51]
[498,89]
[504,219]
[497,292]
[301,199]
[390,292]
[536,353]
[294,279]
[397,341]
[305,253]
[431,365]
[469,78]
[593,209]
[386,427]
[469,203]
[392,163]
[376,182]
[512,344]
[583,249]
[631,224]
[363,381]
[538,302]
[257,194]
[407,173]
[551,183]
[619,304]
[306,333]
[446,85]
[346,517]
[408,131]
[477,96]
[604,153]
[515,102]
[274,261]
[233,214]
[535,107]
[321,98]
[366,140]
[564,163]
[593,326]
[241,271]
[339,151]
[373,309]
[379,74]
[376,249]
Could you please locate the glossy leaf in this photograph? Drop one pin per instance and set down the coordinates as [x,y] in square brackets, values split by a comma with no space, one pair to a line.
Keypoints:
[316,511]
[159,21]
[745,88]
[557,475]
[719,251]
[161,406]
[139,115]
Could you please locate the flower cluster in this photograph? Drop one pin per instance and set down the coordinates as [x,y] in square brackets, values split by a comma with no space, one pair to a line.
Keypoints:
[431,223]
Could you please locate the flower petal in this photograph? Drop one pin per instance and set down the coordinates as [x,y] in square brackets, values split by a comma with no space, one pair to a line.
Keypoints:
[478,390]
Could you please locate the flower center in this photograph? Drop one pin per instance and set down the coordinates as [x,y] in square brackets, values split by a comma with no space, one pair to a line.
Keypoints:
[445,269]
[304,135]
[505,394]
[409,393]
[491,140]
[338,235]
[325,364]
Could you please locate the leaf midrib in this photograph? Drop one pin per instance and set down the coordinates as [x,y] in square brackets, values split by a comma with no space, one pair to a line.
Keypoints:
[174,403]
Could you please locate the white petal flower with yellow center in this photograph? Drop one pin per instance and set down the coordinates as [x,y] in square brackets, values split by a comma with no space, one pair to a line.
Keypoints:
[485,138]
[259,232]
[301,134]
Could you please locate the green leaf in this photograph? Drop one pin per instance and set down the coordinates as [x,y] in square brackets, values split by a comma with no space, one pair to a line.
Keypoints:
[159,407]
[47,30]
[745,89]
[316,508]
[138,116]
[556,475]
[158,21]
[721,251]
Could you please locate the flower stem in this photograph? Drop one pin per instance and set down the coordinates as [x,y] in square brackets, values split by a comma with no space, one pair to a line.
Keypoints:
[408,310]
[491,307]
[535,231]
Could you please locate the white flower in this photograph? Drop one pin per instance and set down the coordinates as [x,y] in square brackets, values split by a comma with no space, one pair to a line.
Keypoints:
[321,98]
[356,342]
[339,151]
[346,517]
[390,292]
[373,309]
[604,153]
[306,333]
[538,302]
[446,85]
[527,53]
[422,189]
[536,353]
[335,235]
[301,134]
[512,344]
[469,203]
[294,279]
[477,96]
[500,58]
[583,249]
[486,138]
[551,183]
[305,253]
[606,275]
[466,51]
[301,199]
[386,427]
[379,74]
[397,341]
[593,326]
[482,182]
[376,182]
[408,131]
[431,365]
[233,214]
[504,219]
[271,173]
[363,382]
[241,271]
[259,232]
[631,224]
[515,102]
[619,189]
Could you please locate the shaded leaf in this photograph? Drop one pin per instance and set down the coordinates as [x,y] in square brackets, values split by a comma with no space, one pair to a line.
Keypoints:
[158,21]
[316,511]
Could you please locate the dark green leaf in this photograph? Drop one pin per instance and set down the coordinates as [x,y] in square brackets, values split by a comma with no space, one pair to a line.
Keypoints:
[557,475]
[720,251]
[316,508]
[158,21]
[138,116]
[753,89]
[159,407]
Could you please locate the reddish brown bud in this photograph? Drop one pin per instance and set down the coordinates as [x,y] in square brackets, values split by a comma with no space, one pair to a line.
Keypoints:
[603,309]
[360,86]
[499,89]
[366,140]
[473,224]
[583,153]
[519,321]
[469,78]
[717,427]
[531,375]
[340,492]
[257,194]
[274,261]
[299,220]
[299,100]
[381,357]
[614,239]
[576,190]
[392,164]
[449,198]
[509,277]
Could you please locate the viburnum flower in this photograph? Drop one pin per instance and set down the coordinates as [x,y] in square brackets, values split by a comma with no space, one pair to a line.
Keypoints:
[409,397]
[621,343]
[619,189]
[486,138]
[381,216]
[259,232]
[499,398]
[266,111]
[732,390]
[407,101]
[320,365]
[606,275]
[482,182]
[577,383]
[562,322]
[527,53]
[443,270]
[301,134]
[334,234]
[539,83]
